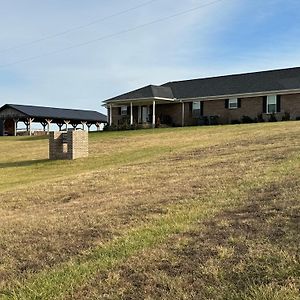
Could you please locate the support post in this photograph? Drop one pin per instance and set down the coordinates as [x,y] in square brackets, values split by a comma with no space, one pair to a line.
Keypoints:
[182,114]
[83,123]
[44,124]
[15,126]
[89,126]
[131,114]
[153,114]
[30,120]
[48,124]
[67,123]
[60,125]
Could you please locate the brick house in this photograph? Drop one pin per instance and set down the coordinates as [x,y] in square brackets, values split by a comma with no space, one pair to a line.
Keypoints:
[216,100]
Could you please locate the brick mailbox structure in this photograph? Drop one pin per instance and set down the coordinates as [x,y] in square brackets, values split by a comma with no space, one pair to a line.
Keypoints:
[68,145]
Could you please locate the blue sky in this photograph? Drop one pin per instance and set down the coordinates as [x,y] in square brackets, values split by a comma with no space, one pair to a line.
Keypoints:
[229,36]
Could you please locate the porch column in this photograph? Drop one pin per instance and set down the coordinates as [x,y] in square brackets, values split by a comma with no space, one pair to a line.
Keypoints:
[182,114]
[153,115]
[131,114]
[110,115]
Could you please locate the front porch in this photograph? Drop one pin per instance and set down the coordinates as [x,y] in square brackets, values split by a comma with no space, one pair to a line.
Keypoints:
[147,113]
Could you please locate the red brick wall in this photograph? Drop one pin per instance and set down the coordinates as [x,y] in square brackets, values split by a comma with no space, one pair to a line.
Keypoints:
[251,107]
[291,104]
[174,110]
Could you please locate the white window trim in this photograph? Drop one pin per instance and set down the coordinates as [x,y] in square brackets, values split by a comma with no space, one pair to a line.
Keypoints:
[268,99]
[199,109]
[123,110]
[233,101]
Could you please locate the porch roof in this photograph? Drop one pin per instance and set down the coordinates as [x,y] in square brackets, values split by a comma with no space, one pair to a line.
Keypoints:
[144,94]
[140,101]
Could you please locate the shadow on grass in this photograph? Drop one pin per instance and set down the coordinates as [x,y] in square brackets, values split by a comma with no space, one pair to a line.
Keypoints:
[249,252]
[24,138]
[26,163]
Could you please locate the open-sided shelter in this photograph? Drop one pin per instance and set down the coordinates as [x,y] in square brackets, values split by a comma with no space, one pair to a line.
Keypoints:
[12,114]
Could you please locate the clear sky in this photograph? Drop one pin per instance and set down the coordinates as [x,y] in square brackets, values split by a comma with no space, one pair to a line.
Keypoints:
[224,37]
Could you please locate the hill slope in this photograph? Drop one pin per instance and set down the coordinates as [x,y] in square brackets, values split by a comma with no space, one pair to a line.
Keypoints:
[188,213]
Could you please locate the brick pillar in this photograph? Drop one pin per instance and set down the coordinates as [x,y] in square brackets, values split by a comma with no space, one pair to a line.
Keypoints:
[68,145]
[57,146]
[78,144]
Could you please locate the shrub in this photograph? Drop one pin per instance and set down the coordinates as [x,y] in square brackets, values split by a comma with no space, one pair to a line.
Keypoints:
[260,118]
[272,118]
[214,120]
[286,116]
[247,119]
[235,122]
[111,127]
[298,118]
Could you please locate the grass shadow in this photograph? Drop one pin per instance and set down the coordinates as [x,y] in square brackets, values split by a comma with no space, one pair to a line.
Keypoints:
[244,253]
[26,163]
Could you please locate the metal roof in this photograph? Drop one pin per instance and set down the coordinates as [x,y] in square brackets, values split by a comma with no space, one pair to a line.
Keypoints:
[247,83]
[41,112]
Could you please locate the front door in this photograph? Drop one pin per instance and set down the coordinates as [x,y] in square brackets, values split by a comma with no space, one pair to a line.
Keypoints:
[145,114]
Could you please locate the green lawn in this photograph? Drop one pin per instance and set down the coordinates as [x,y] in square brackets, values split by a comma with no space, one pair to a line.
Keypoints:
[183,213]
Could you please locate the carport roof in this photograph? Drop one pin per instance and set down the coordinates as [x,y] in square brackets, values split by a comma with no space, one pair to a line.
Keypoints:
[42,112]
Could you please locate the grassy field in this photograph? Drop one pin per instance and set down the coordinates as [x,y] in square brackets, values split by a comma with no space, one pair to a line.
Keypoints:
[186,213]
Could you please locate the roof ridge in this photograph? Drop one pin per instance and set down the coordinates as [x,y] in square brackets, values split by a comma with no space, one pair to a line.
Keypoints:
[60,108]
[232,75]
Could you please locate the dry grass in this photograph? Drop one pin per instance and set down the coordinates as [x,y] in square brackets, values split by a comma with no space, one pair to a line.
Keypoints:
[54,214]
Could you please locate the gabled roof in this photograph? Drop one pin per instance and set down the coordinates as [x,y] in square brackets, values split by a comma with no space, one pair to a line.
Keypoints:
[41,112]
[247,83]
[265,81]
[150,91]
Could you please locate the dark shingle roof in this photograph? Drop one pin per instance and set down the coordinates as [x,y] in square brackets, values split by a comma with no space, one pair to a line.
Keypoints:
[40,112]
[149,91]
[264,81]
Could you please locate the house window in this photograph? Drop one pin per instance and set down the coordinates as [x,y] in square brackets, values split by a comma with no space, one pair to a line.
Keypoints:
[123,110]
[196,109]
[233,103]
[271,104]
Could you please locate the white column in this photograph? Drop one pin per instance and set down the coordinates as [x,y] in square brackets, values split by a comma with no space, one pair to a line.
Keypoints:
[83,123]
[131,114]
[182,114]
[48,124]
[67,123]
[110,115]
[153,114]
[30,122]
[15,126]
